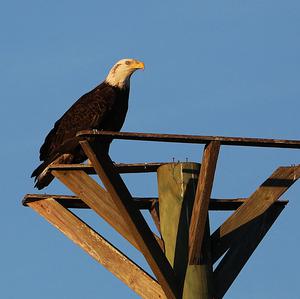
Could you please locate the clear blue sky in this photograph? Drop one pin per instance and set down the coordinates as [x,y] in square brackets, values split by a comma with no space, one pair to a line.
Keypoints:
[212,68]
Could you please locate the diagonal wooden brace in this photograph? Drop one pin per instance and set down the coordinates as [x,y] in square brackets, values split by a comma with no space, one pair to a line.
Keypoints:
[202,198]
[99,200]
[97,247]
[95,197]
[268,193]
[247,239]
[133,218]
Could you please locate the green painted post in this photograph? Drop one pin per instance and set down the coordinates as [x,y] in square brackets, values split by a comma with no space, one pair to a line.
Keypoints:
[177,183]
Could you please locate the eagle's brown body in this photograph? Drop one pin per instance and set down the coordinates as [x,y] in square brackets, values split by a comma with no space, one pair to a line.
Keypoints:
[103,108]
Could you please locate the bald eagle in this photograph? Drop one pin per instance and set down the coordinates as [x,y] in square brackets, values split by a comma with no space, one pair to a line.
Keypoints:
[103,108]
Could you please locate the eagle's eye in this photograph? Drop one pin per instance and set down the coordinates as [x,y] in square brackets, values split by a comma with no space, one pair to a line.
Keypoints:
[127,62]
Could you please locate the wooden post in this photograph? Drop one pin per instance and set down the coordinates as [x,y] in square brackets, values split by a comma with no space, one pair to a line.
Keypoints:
[177,184]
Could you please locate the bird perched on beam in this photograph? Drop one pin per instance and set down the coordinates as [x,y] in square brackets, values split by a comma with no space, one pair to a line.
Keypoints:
[103,108]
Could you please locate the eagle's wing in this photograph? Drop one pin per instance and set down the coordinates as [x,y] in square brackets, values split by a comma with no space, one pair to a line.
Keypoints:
[88,112]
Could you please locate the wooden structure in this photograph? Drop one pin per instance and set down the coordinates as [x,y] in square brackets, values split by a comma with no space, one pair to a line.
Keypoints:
[252,217]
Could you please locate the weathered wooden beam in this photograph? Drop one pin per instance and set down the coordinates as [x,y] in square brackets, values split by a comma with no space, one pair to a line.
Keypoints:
[257,204]
[94,196]
[147,203]
[121,167]
[202,198]
[74,202]
[99,248]
[242,248]
[133,218]
[233,204]
[177,184]
[68,201]
[239,141]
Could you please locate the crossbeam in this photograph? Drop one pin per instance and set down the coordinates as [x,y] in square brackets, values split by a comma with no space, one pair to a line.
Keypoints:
[121,167]
[74,202]
[196,139]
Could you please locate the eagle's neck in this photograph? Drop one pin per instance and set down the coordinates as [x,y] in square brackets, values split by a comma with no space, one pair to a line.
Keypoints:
[118,79]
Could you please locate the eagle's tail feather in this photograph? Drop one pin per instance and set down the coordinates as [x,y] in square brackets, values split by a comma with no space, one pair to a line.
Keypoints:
[39,170]
[43,181]
[43,177]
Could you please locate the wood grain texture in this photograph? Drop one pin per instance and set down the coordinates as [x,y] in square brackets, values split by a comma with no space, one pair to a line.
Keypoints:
[256,205]
[177,185]
[98,199]
[242,248]
[100,249]
[94,196]
[202,198]
[133,218]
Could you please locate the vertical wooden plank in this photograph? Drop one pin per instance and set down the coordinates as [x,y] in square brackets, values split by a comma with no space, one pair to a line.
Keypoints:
[133,218]
[97,247]
[177,184]
[202,198]
[242,248]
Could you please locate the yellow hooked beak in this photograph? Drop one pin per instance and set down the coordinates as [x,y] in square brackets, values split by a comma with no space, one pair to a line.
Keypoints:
[139,65]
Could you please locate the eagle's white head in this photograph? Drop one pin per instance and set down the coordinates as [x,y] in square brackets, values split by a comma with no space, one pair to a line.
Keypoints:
[120,73]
